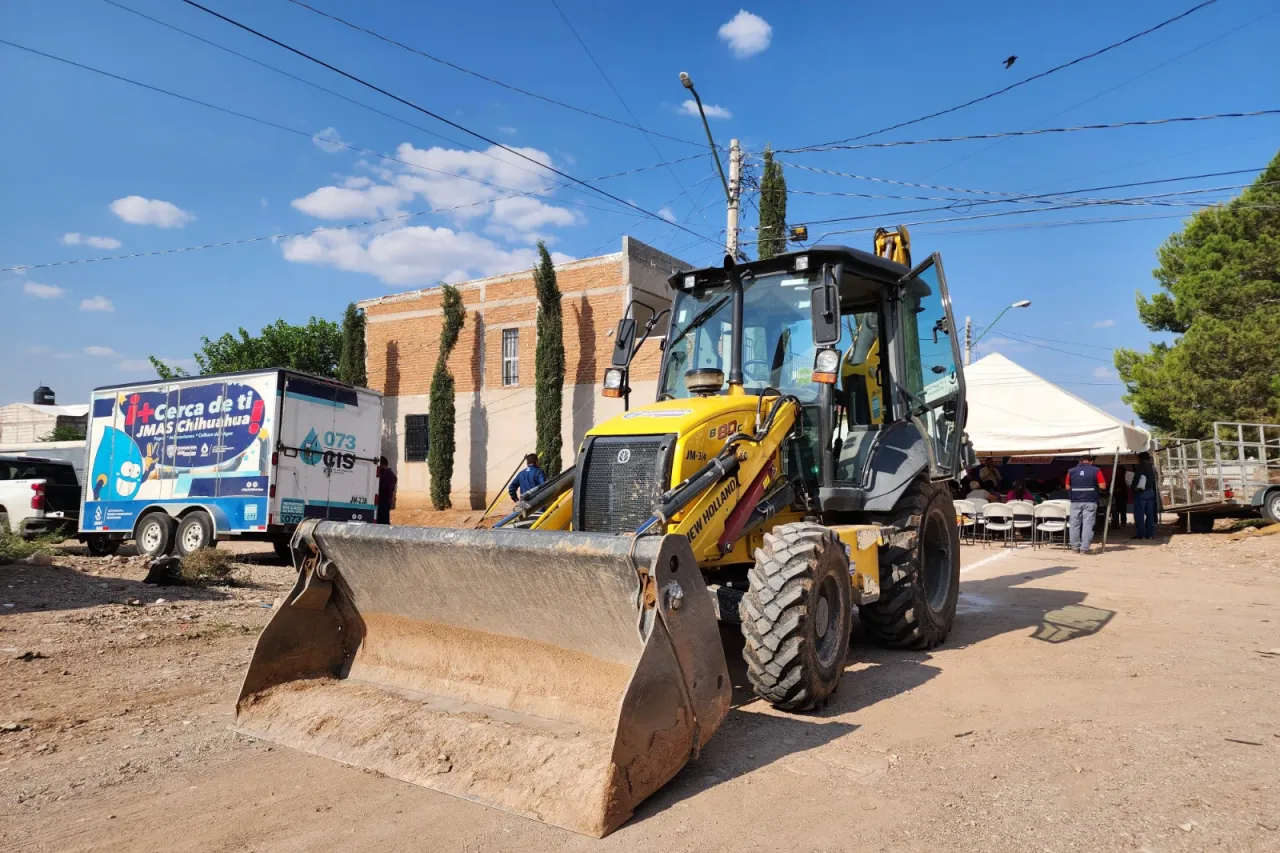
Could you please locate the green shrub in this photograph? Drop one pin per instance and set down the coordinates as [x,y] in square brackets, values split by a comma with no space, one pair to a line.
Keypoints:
[207,566]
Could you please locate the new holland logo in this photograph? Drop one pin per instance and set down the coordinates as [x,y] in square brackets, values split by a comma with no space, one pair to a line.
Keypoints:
[624,456]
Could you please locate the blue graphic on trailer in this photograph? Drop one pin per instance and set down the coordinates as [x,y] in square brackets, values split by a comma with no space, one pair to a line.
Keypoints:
[230,513]
[118,467]
[311,452]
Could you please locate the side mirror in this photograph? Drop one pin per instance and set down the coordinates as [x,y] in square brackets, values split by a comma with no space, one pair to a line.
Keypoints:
[824,308]
[624,340]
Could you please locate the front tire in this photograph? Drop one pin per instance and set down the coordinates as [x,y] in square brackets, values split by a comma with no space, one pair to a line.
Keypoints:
[195,532]
[797,616]
[919,572]
[154,536]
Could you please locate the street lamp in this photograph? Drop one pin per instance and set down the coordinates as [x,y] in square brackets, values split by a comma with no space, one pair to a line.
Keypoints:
[687,82]
[970,342]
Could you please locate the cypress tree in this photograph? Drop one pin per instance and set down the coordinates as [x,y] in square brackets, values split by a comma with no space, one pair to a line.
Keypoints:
[351,360]
[548,364]
[773,209]
[440,426]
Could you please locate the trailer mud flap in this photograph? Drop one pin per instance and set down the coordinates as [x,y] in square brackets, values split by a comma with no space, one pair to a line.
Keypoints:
[560,676]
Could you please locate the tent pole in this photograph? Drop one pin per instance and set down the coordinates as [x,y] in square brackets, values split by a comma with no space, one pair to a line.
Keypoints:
[1111,496]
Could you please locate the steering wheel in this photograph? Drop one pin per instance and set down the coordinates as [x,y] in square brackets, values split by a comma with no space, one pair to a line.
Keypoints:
[746,369]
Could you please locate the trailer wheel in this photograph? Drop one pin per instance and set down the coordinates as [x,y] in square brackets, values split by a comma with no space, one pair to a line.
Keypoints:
[1271,506]
[154,534]
[919,572]
[797,616]
[101,545]
[195,532]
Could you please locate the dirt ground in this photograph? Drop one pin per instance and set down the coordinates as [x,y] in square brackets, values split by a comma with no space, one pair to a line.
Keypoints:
[1127,701]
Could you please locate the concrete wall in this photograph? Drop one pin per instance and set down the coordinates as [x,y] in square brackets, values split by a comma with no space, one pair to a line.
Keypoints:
[22,423]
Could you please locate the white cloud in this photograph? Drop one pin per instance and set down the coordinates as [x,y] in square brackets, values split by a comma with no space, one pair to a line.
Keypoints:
[1005,345]
[328,141]
[1104,324]
[42,291]
[101,352]
[74,239]
[39,349]
[690,108]
[417,254]
[473,189]
[263,202]
[96,303]
[746,34]
[1101,372]
[137,210]
[665,213]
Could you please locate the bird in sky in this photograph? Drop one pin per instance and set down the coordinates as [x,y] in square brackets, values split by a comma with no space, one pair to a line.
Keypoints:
[1008,63]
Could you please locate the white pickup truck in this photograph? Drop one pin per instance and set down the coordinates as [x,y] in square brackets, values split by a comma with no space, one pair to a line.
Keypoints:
[38,496]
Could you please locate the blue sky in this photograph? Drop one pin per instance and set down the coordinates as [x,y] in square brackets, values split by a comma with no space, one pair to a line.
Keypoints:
[92,162]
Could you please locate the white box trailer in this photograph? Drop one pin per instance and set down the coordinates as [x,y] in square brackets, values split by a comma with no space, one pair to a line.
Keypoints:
[178,464]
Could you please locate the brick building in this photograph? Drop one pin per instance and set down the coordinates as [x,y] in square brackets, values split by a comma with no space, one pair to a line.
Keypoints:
[493,365]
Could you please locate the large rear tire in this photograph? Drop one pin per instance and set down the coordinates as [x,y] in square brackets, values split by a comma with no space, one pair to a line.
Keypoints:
[797,616]
[919,572]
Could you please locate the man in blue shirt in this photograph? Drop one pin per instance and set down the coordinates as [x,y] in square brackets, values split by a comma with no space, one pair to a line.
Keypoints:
[1084,480]
[528,479]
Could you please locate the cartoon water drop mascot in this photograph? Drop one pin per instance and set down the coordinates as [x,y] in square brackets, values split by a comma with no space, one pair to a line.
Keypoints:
[118,467]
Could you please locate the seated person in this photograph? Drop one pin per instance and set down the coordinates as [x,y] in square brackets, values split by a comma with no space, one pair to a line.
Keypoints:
[976,491]
[1020,492]
[1058,491]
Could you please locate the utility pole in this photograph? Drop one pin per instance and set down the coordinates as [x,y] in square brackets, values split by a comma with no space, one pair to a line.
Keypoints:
[735,193]
[968,340]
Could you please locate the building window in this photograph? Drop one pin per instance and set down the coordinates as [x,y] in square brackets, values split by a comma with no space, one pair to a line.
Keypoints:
[510,357]
[415,438]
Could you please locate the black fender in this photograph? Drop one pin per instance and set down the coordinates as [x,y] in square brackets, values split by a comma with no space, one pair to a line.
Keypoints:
[900,454]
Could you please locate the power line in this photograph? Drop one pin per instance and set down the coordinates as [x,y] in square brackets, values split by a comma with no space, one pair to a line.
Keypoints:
[981,202]
[1018,338]
[428,112]
[1111,89]
[647,137]
[303,133]
[485,77]
[287,235]
[343,97]
[1024,82]
[1035,132]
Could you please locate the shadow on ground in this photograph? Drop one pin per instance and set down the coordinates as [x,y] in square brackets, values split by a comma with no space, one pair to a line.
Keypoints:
[48,588]
[990,607]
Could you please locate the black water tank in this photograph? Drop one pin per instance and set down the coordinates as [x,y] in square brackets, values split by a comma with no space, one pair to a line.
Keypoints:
[43,396]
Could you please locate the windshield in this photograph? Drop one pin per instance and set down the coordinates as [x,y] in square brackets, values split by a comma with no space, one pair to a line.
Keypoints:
[777,341]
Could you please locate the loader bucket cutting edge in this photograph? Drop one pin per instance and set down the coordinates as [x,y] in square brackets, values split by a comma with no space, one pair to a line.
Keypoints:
[536,672]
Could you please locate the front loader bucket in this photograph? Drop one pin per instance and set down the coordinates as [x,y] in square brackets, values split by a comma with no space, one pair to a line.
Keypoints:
[560,676]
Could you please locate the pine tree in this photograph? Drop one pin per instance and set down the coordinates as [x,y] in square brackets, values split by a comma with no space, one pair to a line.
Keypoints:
[351,360]
[1220,298]
[440,425]
[773,208]
[548,364]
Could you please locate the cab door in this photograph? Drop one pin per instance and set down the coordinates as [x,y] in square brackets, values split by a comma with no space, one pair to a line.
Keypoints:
[931,375]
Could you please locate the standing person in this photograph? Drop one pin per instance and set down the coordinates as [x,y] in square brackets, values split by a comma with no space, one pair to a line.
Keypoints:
[1120,499]
[1144,498]
[528,479]
[1085,481]
[386,491]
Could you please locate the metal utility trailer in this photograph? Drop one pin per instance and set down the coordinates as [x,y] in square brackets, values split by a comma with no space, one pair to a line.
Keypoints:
[1234,474]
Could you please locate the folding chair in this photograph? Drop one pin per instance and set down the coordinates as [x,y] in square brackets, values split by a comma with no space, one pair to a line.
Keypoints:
[978,504]
[1023,517]
[1051,518]
[966,519]
[997,518]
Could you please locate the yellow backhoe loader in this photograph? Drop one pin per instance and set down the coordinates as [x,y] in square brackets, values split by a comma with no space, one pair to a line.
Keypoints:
[568,663]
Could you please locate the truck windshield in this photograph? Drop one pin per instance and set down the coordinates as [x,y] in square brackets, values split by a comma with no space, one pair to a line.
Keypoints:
[777,341]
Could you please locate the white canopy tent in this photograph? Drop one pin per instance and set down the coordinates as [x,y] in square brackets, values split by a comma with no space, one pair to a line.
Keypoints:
[1014,412]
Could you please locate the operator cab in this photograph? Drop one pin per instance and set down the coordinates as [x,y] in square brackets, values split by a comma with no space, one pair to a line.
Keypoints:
[862,342]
